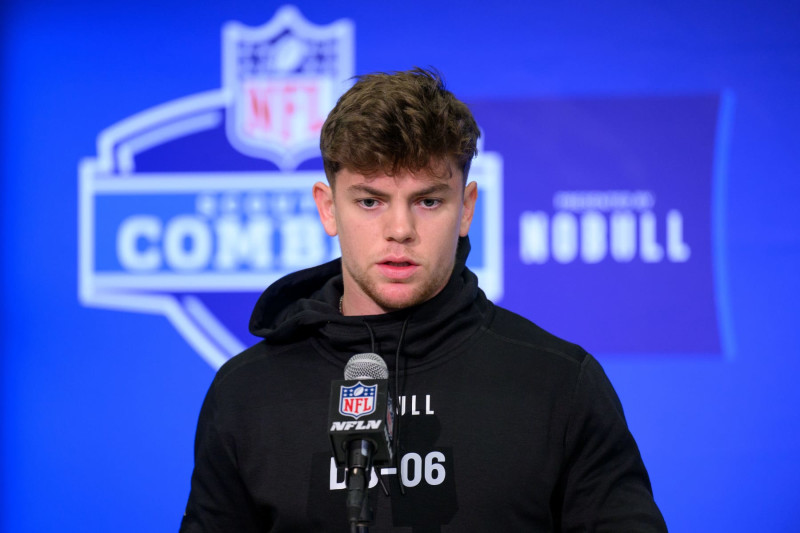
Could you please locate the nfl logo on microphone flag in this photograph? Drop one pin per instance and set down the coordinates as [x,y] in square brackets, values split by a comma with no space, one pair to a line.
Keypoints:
[358,400]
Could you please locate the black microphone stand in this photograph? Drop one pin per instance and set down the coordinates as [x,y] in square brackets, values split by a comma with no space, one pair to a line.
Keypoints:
[359,468]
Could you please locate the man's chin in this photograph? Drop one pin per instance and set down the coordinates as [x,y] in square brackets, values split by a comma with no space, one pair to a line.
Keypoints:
[394,300]
[395,304]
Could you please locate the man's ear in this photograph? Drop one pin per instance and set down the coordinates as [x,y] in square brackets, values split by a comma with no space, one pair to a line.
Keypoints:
[470,197]
[323,197]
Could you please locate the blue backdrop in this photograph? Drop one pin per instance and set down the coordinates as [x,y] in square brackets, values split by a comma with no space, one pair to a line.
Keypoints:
[695,103]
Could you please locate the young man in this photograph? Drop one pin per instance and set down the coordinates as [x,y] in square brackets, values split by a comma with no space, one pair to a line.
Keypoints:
[503,426]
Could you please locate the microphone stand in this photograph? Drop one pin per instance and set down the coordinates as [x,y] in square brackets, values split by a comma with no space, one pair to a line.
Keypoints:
[359,467]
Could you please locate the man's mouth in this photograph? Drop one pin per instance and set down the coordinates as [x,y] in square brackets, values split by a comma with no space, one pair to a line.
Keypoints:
[397,269]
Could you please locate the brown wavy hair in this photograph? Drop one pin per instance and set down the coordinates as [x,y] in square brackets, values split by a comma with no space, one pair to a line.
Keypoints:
[398,121]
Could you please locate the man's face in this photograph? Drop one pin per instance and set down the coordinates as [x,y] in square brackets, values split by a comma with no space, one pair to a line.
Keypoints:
[398,235]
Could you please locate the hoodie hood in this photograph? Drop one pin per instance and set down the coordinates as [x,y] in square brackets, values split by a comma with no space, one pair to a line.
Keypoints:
[305,304]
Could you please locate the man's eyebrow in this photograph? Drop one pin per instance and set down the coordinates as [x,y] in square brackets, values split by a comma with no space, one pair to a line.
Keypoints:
[363,188]
[433,189]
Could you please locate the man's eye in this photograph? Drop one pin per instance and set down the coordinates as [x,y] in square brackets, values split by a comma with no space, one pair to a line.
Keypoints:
[368,202]
[430,202]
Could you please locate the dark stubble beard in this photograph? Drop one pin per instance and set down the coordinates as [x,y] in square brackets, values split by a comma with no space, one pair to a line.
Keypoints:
[432,286]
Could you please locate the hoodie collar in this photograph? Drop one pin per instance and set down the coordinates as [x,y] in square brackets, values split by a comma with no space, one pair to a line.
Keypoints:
[306,304]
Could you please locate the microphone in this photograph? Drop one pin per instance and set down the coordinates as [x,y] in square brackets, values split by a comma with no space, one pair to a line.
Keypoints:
[361,420]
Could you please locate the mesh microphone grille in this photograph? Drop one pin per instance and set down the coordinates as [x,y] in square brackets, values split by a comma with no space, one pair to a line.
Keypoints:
[366,366]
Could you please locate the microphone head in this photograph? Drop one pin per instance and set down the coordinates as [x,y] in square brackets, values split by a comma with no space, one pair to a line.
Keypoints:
[366,366]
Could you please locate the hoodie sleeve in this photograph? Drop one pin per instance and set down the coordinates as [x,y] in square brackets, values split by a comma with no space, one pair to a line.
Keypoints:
[605,484]
[219,500]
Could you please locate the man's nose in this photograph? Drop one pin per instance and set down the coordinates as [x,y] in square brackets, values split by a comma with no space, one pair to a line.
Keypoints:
[400,225]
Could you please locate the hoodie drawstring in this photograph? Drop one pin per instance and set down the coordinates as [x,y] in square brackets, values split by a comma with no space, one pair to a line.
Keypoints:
[396,441]
[396,436]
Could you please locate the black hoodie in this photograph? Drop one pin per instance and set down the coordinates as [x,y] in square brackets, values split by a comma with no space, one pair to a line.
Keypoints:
[504,427]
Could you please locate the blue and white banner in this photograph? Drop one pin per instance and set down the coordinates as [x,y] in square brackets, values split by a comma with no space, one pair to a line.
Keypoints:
[594,216]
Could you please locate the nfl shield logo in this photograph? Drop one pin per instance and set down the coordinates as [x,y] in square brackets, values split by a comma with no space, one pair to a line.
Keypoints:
[357,400]
[281,80]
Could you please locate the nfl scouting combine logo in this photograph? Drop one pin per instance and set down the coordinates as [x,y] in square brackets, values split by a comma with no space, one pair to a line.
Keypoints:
[357,400]
[192,208]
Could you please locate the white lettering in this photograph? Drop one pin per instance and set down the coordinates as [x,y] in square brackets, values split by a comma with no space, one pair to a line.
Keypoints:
[302,242]
[416,462]
[282,204]
[603,200]
[428,410]
[187,243]
[649,249]
[338,478]
[534,243]
[361,425]
[133,231]
[227,232]
[413,469]
[594,237]
[414,409]
[206,204]
[623,236]
[255,203]
[677,250]
[565,237]
[335,482]
[434,471]
[249,242]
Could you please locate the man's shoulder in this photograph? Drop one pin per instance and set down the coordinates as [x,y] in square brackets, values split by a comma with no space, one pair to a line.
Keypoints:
[257,366]
[256,354]
[516,330]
